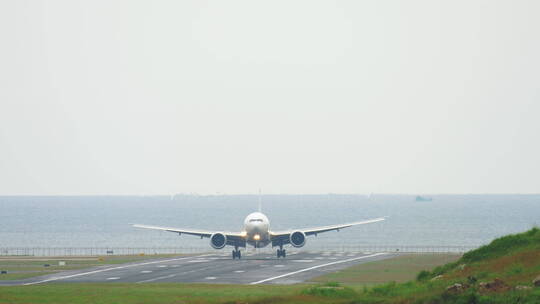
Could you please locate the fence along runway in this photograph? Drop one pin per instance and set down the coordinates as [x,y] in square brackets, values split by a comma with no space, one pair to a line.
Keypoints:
[258,268]
[92,251]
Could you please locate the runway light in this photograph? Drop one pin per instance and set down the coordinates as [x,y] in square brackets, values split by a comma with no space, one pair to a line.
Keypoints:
[256,237]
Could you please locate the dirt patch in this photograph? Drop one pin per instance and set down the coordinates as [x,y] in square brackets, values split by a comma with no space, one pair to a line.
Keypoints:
[496,285]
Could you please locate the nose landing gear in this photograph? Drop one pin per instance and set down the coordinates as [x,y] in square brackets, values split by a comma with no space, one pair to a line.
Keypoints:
[281,253]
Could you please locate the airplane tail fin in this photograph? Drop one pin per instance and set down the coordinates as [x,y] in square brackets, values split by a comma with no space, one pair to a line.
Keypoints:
[260,203]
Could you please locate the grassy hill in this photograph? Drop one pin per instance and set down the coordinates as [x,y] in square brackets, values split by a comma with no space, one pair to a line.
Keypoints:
[501,272]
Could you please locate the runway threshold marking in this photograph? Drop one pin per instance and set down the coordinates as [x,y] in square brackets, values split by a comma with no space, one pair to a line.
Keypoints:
[315,267]
[108,269]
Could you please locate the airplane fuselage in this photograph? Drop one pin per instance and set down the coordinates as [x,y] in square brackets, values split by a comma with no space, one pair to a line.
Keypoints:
[256,229]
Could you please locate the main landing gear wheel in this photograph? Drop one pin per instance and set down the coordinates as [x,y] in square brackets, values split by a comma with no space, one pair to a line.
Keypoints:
[281,253]
[236,254]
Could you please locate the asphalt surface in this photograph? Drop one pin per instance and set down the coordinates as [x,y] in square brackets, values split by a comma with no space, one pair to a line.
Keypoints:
[253,268]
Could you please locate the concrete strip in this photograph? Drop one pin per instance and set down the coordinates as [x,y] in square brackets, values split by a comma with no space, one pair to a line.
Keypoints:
[314,267]
[108,269]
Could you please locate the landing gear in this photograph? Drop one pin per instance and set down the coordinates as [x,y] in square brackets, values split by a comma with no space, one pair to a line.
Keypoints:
[281,253]
[236,254]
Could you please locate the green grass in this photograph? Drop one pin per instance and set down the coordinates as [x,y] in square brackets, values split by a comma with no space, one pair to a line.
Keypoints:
[504,246]
[330,290]
[22,275]
[154,294]
[515,259]
[399,269]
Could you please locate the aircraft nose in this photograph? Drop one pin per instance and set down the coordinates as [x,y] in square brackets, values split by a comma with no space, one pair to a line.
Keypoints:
[257,227]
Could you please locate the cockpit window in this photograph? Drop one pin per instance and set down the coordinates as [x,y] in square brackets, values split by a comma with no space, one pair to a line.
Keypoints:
[255,220]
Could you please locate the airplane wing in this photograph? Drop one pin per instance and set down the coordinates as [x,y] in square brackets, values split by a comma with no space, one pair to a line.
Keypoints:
[231,236]
[201,233]
[283,237]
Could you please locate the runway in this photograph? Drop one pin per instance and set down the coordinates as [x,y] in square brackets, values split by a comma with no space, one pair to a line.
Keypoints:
[261,268]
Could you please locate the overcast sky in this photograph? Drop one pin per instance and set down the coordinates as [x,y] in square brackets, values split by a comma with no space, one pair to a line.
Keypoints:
[162,97]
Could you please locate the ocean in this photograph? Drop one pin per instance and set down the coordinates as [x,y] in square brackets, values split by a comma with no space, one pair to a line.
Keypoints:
[105,221]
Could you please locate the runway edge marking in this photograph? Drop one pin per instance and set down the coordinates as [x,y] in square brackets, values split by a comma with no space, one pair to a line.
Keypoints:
[109,269]
[315,267]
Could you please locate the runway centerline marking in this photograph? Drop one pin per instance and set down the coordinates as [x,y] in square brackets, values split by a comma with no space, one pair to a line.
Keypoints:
[108,269]
[315,267]
[114,278]
[158,278]
[174,275]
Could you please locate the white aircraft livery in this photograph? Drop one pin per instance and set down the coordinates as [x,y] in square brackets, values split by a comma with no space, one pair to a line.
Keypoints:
[257,233]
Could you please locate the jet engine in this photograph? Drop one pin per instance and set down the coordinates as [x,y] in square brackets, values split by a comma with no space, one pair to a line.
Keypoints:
[218,240]
[298,239]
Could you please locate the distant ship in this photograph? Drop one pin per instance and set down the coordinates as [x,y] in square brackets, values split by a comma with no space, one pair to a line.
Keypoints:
[423,199]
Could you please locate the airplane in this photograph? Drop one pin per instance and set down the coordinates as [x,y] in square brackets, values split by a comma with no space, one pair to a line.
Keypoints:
[257,233]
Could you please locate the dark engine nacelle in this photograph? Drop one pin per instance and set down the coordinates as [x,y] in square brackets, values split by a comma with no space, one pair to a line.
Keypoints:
[298,239]
[218,240]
